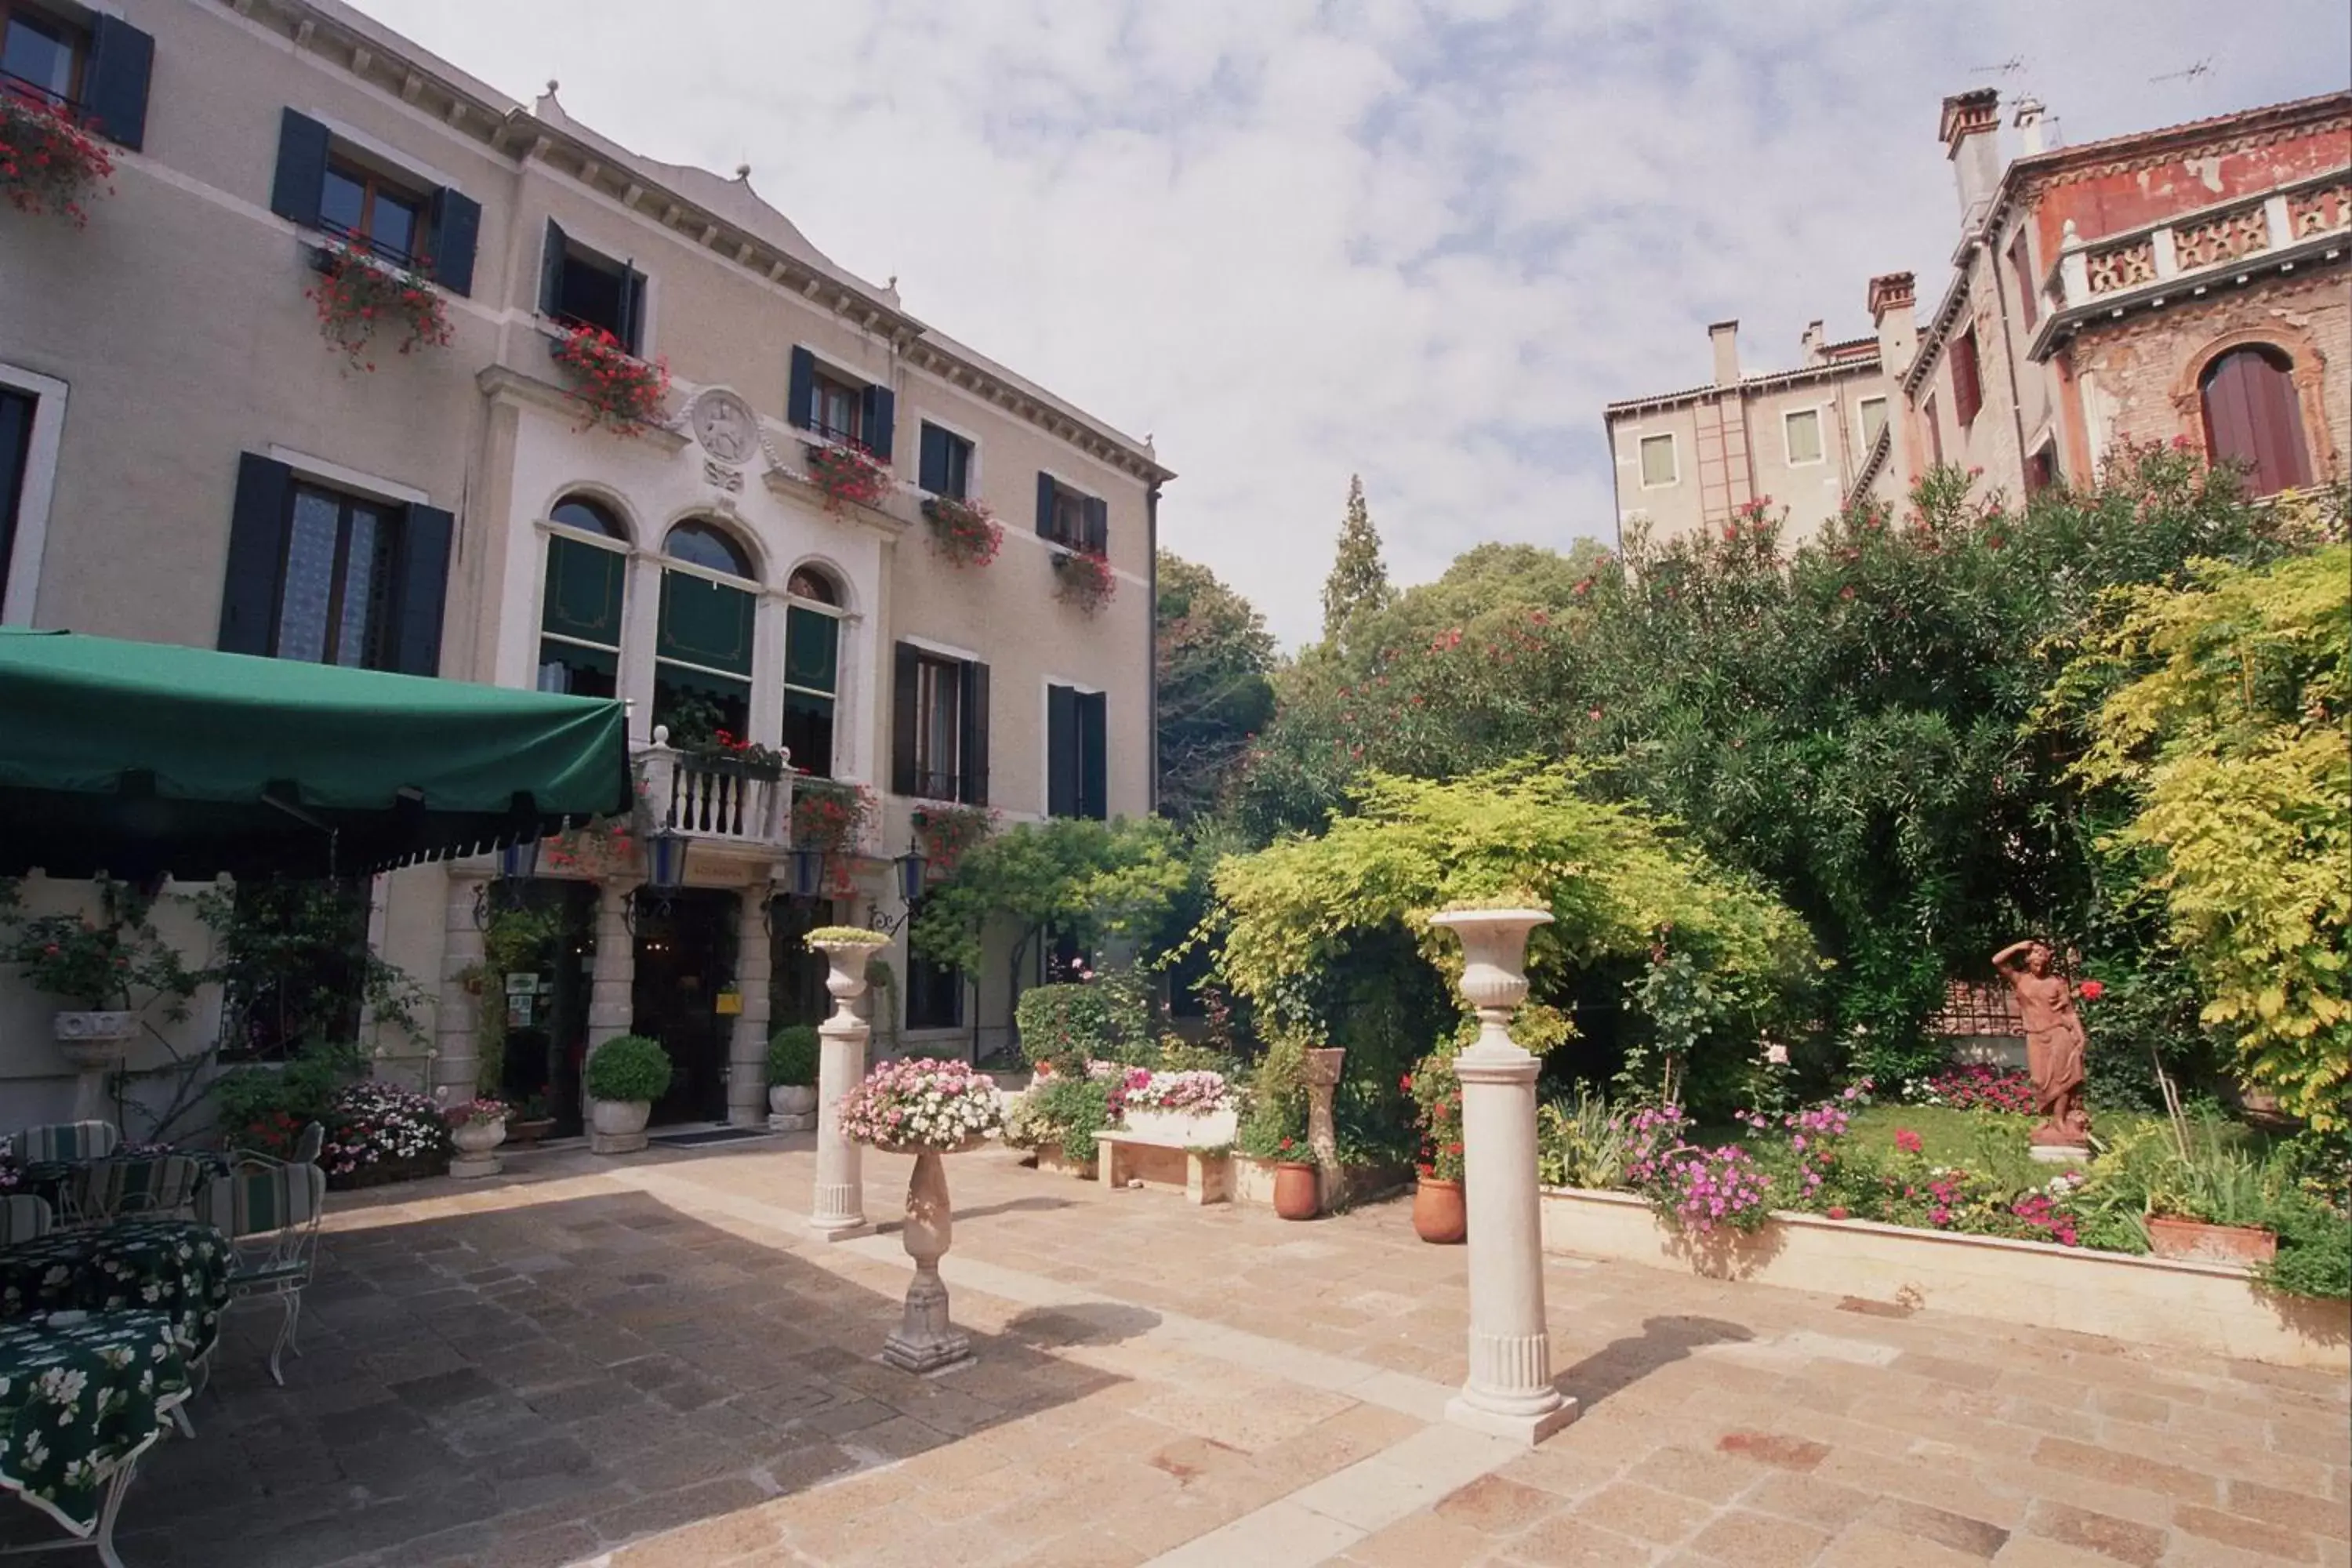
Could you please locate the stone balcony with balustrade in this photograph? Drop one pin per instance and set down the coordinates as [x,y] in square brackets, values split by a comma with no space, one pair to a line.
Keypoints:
[716,802]
[2191,255]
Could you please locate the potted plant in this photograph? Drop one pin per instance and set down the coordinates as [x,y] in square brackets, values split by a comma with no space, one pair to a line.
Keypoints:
[926,1108]
[1087,580]
[379,1133]
[948,832]
[108,969]
[625,1075]
[832,818]
[614,387]
[49,159]
[1439,1214]
[965,532]
[792,1076]
[477,1126]
[2213,1205]
[723,750]
[847,471]
[359,292]
[530,1122]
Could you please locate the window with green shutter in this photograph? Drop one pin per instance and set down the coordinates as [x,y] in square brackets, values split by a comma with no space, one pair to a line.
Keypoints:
[580,618]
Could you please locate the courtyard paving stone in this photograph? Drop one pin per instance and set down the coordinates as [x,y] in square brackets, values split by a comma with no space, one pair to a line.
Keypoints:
[650,1362]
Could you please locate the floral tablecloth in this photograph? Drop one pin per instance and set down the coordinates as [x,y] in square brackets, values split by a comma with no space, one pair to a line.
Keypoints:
[174,1267]
[80,1394]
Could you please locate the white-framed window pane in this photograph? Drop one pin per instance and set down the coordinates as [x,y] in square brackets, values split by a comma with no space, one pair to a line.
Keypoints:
[310,583]
[1804,431]
[1873,419]
[1658,460]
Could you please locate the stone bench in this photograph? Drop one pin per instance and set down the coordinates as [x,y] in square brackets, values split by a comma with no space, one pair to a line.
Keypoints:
[1154,1161]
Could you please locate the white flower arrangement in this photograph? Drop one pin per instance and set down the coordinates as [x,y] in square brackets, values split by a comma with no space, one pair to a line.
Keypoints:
[1181,1093]
[921,1103]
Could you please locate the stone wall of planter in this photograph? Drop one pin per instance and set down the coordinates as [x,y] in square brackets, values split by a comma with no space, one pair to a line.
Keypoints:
[2148,1300]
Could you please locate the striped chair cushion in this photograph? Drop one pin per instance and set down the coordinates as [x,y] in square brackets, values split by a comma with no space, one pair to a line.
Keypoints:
[146,1183]
[254,1200]
[67,1141]
[23,1216]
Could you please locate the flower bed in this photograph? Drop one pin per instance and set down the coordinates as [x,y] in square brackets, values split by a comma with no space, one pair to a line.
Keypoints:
[1976,1086]
[380,1132]
[921,1103]
[965,532]
[359,294]
[1087,580]
[847,472]
[614,387]
[49,159]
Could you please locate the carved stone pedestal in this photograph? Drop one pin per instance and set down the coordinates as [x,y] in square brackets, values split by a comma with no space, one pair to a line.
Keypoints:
[927,1341]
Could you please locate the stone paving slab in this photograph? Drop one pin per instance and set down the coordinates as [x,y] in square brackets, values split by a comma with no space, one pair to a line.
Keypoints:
[647,1361]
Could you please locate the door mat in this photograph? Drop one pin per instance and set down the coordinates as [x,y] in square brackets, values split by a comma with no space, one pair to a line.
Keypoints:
[708,1135]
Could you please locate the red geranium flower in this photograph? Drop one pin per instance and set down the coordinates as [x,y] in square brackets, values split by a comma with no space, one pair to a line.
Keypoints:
[2090,991]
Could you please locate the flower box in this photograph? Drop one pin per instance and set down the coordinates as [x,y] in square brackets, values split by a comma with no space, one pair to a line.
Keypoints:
[964,531]
[2191,1240]
[360,293]
[49,159]
[614,387]
[847,472]
[1087,580]
[733,767]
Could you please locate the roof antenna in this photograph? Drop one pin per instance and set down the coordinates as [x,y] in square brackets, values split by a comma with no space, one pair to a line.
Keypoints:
[2009,66]
[2190,73]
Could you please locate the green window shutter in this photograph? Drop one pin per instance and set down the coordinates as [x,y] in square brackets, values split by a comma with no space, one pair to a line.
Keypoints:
[1061,752]
[705,623]
[905,688]
[257,554]
[456,226]
[975,734]
[812,650]
[301,169]
[421,582]
[114,84]
[585,589]
[800,392]
[550,270]
[1094,772]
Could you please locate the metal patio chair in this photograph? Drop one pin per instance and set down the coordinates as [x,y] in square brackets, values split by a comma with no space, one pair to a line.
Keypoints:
[270,1213]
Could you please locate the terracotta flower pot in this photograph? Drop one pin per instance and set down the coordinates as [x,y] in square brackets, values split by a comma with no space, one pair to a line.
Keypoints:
[1294,1196]
[2194,1241]
[1438,1214]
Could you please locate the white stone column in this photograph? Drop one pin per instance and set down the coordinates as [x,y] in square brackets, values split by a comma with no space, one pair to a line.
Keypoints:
[457,1057]
[839,1211]
[1509,1391]
[612,1006]
[747,1054]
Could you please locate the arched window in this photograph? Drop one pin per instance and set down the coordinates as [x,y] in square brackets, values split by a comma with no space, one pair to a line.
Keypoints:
[580,621]
[588,516]
[2253,417]
[702,659]
[811,669]
[705,545]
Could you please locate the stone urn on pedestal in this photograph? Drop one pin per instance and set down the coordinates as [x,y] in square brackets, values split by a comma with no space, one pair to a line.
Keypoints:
[927,1108]
[477,1128]
[839,1209]
[94,1043]
[1509,1390]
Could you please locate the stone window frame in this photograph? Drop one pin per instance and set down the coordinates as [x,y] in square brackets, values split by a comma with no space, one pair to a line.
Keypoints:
[1673,452]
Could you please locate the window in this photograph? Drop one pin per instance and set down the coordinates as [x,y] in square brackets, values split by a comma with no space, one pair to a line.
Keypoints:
[319,574]
[934,994]
[1968,390]
[372,211]
[2254,418]
[16,452]
[1935,433]
[2040,469]
[946,464]
[1659,468]
[40,56]
[836,406]
[2029,294]
[579,619]
[939,727]
[1872,412]
[328,186]
[811,670]
[1076,771]
[702,651]
[1801,430]
[1071,517]
[582,288]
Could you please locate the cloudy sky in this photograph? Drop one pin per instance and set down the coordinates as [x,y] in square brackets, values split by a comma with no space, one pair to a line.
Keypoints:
[1424,240]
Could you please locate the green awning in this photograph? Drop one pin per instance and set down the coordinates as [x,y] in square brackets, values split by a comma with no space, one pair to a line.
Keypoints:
[139,758]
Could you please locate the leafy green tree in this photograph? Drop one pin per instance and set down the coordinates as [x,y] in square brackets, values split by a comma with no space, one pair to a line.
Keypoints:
[1358,582]
[1214,659]
[1086,881]
[2223,717]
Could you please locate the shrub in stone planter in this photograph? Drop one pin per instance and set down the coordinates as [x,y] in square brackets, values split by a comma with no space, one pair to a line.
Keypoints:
[792,1056]
[1066,1113]
[631,1069]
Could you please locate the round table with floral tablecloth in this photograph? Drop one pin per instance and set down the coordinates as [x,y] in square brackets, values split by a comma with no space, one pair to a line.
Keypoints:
[82,1395]
[176,1266]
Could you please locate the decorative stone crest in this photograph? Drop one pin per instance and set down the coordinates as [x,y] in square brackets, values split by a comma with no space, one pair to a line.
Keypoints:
[725,425]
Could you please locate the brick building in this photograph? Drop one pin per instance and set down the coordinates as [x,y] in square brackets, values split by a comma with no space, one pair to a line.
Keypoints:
[2189,283]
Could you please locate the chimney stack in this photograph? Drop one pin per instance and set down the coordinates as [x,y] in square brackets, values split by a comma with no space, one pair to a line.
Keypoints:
[1970,132]
[2037,130]
[1811,342]
[1725,336]
[1898,329]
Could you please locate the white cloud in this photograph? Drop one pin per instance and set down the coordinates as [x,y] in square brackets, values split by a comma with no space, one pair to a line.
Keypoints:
[1299,239]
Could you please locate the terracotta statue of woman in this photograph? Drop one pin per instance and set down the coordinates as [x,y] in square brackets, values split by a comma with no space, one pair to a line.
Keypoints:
[2055,1041]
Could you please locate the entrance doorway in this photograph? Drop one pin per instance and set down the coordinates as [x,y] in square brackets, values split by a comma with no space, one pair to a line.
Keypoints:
[685,957]
[538,950]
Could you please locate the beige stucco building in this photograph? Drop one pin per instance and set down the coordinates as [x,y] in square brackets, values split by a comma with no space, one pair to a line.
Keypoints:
[2187,284]
[189,461]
